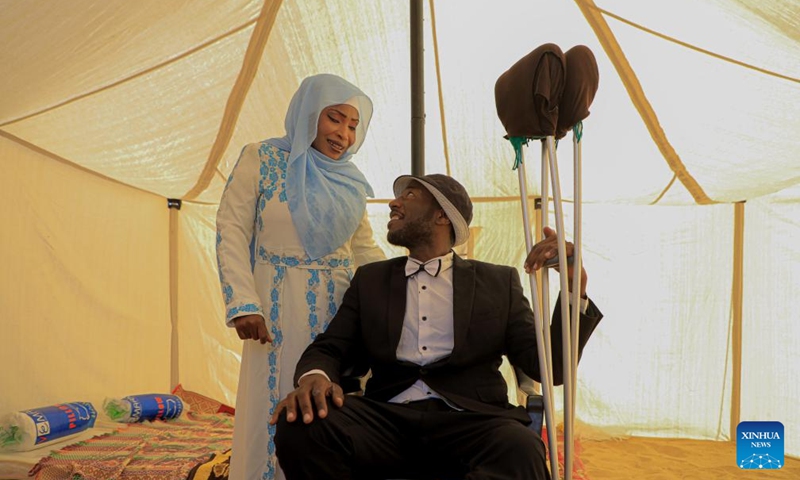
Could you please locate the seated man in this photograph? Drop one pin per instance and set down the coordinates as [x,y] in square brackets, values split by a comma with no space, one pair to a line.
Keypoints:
[433,328]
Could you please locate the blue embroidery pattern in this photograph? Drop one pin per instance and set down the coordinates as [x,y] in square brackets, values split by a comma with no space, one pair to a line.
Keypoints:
[272,381]
[311,300]
[272,172]
[261,204]
[246,308]
[230,177]
[219,266]
[292,261]
[227,289]
[331,300]
[272,178]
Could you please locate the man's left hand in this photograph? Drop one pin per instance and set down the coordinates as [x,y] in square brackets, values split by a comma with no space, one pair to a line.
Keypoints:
[548,249]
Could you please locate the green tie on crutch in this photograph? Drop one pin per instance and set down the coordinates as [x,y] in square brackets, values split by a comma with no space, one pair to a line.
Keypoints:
[542,96]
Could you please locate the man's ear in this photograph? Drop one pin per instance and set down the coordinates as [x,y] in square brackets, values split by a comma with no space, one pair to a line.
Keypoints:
[441,218]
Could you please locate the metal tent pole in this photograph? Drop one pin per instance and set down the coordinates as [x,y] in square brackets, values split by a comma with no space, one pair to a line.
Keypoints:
[417,89]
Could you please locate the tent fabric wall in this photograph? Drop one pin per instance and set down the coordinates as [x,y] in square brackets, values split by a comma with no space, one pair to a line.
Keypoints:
[85,289]
[771,332]
[659,366]
[209,352]
[107,109]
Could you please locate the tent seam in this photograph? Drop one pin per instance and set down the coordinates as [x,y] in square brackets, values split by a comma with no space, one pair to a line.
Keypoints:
[250,64]
[136,75]
[696,48]
[639,99]
[665,190]
[481,199]
[53,156]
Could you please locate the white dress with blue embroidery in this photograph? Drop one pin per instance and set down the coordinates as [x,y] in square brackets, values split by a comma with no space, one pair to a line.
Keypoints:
[296,296]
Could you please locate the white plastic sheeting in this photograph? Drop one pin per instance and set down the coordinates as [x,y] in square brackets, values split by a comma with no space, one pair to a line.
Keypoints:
[109,108]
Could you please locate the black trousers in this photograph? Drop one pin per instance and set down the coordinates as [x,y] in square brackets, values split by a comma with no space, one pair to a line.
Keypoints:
[372,440]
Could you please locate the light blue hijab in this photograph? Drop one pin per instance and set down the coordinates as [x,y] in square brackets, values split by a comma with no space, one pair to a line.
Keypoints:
[327,197]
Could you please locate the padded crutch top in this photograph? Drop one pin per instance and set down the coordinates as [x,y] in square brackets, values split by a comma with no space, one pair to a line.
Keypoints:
[527,94]
[546,92]
[582,81]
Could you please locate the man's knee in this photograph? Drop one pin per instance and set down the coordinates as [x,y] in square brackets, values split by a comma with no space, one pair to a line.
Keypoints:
[523,441]
[290,438]
[298,439]
[316,450]
[522,446]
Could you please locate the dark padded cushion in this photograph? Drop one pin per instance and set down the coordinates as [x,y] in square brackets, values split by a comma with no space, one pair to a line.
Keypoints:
[527,95]
[582,81]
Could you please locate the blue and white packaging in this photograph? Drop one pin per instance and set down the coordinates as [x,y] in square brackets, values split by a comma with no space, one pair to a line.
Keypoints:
[138,408]
[29,429]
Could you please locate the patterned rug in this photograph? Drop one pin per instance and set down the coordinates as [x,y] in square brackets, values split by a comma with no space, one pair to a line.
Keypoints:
[217,468]
[142,451]
[578,468]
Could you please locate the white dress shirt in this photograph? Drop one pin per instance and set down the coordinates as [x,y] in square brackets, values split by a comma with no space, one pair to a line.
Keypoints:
[427,334]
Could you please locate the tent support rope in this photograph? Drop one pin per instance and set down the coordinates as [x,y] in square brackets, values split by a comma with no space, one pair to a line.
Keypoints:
[134,76]
[60,159]
[639,99]
[698,49]
[250,63]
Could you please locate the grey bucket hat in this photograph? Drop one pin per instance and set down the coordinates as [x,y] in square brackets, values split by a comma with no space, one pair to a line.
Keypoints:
[451,195]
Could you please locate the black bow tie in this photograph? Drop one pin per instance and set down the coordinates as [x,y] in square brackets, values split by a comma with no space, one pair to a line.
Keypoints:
[433,267]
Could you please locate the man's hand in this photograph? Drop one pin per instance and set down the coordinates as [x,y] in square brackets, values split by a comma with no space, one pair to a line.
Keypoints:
[316,387]
[252,326]
[547,249]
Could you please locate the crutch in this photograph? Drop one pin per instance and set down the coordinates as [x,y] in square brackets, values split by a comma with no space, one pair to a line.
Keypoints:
[577,211]
[540,305]
[546,70]
[543,343]
[527,97]
[581,84]
[566,323]
[570,332]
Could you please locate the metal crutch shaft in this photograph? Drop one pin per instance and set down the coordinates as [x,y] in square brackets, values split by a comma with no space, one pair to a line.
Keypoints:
[565,316]
[542,341]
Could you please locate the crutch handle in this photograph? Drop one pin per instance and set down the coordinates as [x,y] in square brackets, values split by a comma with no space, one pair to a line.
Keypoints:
[553,262]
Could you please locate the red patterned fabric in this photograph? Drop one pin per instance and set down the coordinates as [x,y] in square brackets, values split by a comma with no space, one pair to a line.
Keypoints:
[578,469]
[142,451]
[200,403]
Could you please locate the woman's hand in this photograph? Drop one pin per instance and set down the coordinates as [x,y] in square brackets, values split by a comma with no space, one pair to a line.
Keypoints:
[252,327]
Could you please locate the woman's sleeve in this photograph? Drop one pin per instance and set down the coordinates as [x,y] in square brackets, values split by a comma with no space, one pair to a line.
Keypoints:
[365,250]
[235,222]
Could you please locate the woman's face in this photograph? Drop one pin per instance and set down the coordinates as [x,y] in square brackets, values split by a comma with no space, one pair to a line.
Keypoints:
[336,130]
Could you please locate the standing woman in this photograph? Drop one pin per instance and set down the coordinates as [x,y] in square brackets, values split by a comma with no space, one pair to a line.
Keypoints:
[291,229]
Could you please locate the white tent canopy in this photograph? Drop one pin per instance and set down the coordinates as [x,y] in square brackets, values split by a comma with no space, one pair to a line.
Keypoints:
[691,184]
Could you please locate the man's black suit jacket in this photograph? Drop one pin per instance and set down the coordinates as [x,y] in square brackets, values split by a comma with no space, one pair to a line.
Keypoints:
[491,318]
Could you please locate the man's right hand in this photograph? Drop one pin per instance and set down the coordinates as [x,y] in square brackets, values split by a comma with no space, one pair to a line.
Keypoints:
[252,327]
[314,387]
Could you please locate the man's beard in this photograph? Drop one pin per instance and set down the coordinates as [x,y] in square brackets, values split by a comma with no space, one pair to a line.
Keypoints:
[414,233]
